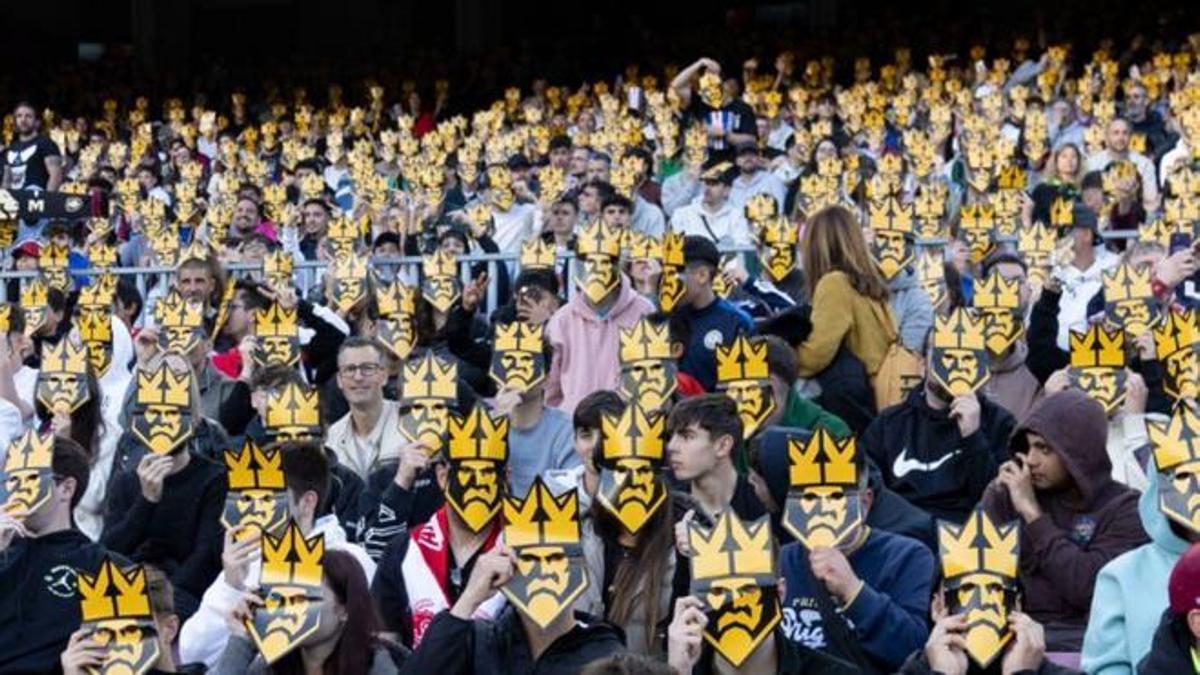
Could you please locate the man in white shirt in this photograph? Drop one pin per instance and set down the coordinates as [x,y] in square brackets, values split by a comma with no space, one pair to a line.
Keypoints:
[714,216]
[1116,149]
[369,435]
[753,179]
[1081,279]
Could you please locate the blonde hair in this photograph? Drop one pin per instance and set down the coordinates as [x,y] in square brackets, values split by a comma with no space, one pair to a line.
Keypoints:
[1050,171]
[833,242]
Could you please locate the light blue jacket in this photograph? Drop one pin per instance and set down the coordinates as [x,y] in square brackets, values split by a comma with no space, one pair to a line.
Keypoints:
[1131,595]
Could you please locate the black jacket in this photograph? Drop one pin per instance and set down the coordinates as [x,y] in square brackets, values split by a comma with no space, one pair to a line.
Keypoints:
[794,659]
[923,457]
[394,510]
[452,646]
[1170,653]
[39,599]
[917,665]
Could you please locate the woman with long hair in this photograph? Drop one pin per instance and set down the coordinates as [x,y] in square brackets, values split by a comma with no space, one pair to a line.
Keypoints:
[85,425]
[343,644]
[1060,179]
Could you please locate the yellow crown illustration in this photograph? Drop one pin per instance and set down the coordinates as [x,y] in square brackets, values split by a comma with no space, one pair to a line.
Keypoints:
[275,321]
[977,217]
[599,238]
[1177,331]
[891,215]
[31,451]
[1098,347]
[6,311]
[114,593]
[960,330]
[822,460]
[1062,212]
[172,311]
[254,468]
[779,231]
[53,256]
[102,255]
[645,340]
[745,359]
[979,545]
[440,264]
[34,294]
[1011,178]
[537,253]
[1035,240]
[732,548]
[478,436]
[429,377]
[672,249]
[99,293]
[292,560]
[350,267]
[634,434]
[396,298]
[164,387]
[195,250]
[343,229]
[1127,282]
[1176,441]
[541,519]
[278,264]
[518,336]
[761,207]
[998,292]
[644,247]
[294,406]
[64,357]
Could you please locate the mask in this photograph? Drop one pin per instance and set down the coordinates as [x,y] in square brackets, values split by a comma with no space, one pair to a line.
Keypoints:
[28,473]
[291,588]
[293,414]
[278,336]
[1176,446]
[257,495]
[398,334]
[1129,300]
[116,613]
[598,247]
[478,459]
[518,360]
[979,563]
[349,281]
[549,574]
[630,462]
[1098,365]
[440,285]
[777,249]
[892,226]
[33,305]
[998,301]
[428,389]
[931,273]
[977,225]
[733,573]
[162,418]
[742,375]
[1176,341]
[62,380]
[823,505]
[959,361]
[647,369]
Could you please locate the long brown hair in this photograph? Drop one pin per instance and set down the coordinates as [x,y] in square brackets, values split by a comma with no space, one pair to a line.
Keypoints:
[833,242]
[356,647]
[637,582]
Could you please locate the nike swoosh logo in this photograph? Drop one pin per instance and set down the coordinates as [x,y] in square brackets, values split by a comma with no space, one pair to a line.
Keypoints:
[904,465]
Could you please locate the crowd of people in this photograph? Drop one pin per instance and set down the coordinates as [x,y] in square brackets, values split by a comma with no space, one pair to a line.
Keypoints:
[699,370]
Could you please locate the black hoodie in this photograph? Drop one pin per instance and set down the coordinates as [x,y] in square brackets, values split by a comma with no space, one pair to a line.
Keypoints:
[1171,651]
[39,601]
[924,458]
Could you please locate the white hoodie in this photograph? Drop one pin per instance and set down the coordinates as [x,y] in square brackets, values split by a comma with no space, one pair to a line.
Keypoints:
[204,635]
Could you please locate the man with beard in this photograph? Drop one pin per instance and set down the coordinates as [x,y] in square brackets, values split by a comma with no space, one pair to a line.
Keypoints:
[585,333]
[1076,517]
[939,449]
[32,160]
[40,551]
[307,477]
[424,571]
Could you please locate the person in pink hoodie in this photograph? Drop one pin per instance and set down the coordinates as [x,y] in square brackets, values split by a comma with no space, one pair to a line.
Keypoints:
[585,332]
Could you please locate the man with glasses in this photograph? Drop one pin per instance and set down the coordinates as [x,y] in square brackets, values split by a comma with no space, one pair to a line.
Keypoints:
[369,434]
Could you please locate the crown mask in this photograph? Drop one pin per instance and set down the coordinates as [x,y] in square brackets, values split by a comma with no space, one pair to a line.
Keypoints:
[977,557]
[959,360]
[291,587]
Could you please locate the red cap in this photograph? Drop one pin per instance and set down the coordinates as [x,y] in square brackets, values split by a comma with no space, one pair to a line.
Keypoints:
[27,247]
[1183,588]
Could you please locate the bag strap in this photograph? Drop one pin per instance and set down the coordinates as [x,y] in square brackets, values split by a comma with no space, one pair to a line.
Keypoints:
[712,234]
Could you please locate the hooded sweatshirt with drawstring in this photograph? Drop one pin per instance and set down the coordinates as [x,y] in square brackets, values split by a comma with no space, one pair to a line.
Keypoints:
[1012,386]
[1064,548]
[1131,594]
[912,309]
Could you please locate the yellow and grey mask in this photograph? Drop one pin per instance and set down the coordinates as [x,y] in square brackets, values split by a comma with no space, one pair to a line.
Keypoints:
[278,334]
[959,360]
[743,375]
[647,369]
[671,286]
[777,247]
[62,385]
[1177,345]
[477,454]
[823,506]
[598,247]
[292,592]
[630,461]
[998,301]
[116,612]
[162,418]
[1098,365]
[440,285]
[1129,300]
[28,473]
[518,357]
[428,392]
[257,495]
[1176,446]
[891,225]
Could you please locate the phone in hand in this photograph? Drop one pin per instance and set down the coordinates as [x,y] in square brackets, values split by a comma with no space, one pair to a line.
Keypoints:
[1180,241]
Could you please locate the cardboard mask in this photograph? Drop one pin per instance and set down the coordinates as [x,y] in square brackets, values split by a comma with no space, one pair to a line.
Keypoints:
[28,473]
[116,612]
[293,414]
[278,336]
[278,268]
[62,385]
[291,588]
[931,273]
[979,567]
[543,531]
[1129,300]
[742,375]
[778,239]
[34,304]
[733,574]
[349,273]
[162,414]
[180,323]
[440,285]
[1176,446]
[998,301]
[477,454]
[538,254]
[257,496]
[630,462]
[1098,365]
[397,326]
[518,359]
[823,506]
[671,287]
[597,248]
[891,224]
[647,369]
[428,391]
[1177,344]
[959,361]
[977,225]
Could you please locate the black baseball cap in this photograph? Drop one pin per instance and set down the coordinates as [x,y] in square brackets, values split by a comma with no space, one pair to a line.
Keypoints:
[698,249]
